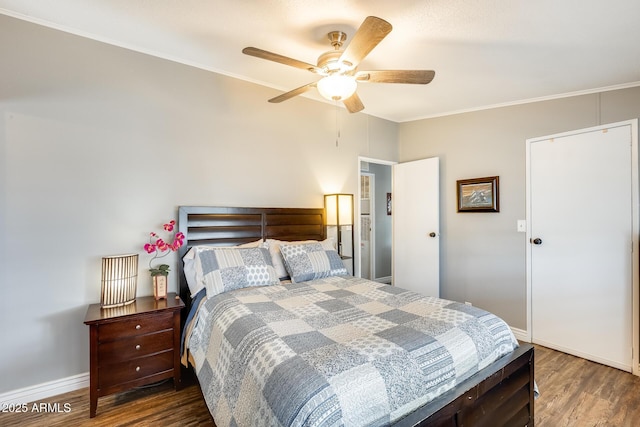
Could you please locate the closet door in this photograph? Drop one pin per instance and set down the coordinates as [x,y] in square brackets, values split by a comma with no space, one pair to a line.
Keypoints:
[581,239]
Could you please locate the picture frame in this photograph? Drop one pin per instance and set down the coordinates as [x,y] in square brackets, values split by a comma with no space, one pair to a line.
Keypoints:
[479,194]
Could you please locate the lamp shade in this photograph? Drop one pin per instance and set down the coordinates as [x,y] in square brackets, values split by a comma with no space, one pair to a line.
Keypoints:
[339,209]
[119,280]
[337,87]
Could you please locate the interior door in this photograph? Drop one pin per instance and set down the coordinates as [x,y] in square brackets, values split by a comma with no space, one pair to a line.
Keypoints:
[416,225]
[581,239]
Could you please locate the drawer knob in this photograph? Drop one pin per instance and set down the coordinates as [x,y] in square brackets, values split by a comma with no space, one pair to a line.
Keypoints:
[137,326]
[138,347]
[137,368]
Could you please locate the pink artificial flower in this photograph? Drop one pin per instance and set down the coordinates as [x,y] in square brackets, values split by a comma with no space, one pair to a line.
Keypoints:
[161,245]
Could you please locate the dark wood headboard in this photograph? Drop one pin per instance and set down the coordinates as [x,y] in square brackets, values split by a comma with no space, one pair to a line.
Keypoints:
[229,226]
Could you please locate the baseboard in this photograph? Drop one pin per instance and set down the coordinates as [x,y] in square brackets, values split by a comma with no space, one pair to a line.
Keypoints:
[45,390]
[521,335]
[594,358]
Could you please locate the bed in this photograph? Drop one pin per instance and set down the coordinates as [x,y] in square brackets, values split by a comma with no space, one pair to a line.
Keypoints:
[306,359]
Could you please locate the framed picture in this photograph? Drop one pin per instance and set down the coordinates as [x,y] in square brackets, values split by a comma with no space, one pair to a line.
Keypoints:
[478,194]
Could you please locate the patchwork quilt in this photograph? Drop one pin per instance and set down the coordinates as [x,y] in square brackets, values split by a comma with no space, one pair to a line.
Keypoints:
[335,351]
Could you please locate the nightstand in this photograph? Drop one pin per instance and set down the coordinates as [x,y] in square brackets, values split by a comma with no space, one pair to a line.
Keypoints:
[133,345]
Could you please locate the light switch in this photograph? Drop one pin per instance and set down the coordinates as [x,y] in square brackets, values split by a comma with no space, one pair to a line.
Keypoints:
[522,226]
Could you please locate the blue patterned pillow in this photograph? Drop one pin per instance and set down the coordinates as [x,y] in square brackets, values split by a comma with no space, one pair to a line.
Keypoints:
[226,269]
[310,261]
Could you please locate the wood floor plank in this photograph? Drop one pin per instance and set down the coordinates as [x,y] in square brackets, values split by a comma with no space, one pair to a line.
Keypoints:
[573,393]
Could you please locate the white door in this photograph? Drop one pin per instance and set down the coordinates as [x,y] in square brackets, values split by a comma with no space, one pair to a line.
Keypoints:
[416,226]
[581,239]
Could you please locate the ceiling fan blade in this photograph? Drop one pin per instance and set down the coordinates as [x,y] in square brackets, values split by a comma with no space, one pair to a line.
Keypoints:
[354,103]
[370,33]
[270,56]
[292,93]
[421,77]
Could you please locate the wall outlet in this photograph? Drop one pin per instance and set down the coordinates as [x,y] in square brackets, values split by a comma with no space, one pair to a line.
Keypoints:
[522,226]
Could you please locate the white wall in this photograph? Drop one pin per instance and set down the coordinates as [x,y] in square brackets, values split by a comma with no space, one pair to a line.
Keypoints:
[100,145]
[482,256]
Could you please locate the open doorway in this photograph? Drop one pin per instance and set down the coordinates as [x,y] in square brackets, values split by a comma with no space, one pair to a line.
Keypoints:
[367,219]
[373,210]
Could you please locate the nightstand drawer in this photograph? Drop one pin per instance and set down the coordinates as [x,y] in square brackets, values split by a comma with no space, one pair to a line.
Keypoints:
[139,325]
[138,346]
[131,370]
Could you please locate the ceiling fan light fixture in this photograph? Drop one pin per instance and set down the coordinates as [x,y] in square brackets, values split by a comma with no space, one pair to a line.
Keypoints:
[337,87]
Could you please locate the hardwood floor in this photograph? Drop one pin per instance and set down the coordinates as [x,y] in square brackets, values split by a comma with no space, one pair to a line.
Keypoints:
[576,392]
[159,405]
[573,392]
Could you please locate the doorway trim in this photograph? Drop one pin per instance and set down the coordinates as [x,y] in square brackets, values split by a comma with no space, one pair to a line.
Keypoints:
[357,231]
[635,196]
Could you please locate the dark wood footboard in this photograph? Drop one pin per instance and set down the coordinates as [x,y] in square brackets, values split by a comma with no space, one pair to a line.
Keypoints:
[500,395]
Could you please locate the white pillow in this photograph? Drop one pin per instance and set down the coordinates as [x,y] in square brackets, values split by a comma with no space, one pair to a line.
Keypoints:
[276,255]
[189,268]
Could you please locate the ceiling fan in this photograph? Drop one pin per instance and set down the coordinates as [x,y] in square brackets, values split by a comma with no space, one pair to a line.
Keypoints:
[338,68]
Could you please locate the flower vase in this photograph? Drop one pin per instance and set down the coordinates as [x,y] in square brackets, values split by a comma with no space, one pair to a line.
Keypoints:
[159,286]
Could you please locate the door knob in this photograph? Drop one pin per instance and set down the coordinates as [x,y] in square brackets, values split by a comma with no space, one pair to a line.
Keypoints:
[536,241]
[432,234]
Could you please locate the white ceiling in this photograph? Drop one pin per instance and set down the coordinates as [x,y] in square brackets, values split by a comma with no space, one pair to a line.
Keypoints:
[485,52]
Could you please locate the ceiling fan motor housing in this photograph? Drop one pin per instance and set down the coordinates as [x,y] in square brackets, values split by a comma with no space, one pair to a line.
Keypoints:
[330,62]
